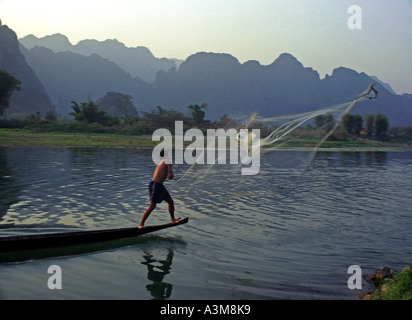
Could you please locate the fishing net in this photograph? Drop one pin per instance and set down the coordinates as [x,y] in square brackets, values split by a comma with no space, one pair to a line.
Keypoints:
[257,136]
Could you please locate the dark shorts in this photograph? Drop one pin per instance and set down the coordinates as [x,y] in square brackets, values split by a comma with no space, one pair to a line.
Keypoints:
[158,192]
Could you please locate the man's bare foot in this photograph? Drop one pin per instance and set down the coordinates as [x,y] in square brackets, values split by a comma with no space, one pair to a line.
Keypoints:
[140,226]
[176,220]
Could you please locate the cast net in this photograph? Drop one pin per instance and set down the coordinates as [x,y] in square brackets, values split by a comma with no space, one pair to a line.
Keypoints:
[308,132]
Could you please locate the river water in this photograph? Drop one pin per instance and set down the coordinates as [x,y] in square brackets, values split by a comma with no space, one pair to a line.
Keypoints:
[249,237]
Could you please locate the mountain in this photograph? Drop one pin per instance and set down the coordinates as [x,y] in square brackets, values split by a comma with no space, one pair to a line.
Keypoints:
[228,87]
[56,42]
[69,76]
[33,97]
[283,87]
[407,96]
[139,61]
[385,84]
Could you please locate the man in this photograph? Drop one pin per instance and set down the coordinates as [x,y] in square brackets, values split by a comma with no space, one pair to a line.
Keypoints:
[157,190]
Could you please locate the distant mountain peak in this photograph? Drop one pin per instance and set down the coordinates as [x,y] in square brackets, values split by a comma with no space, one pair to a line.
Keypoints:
[107,43]
[112,48]
[8,36]
[209,62]
[57,37]
[138,61]
[56,42]
[385,84]
[343,71]
[212,56]
[287,60]
[33,96]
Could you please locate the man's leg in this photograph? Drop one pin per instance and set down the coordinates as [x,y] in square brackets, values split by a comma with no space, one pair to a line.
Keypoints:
[171,207]
[146,214]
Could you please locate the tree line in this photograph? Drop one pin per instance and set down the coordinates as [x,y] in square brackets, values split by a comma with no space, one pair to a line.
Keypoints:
[353,124]
[88,117]
[89,114]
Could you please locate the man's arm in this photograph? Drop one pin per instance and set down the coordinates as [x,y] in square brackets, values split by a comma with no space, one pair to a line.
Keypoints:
[169,171]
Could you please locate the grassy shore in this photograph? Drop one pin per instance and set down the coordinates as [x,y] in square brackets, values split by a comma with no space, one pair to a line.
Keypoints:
[12,137]
[27,138]
[399,288]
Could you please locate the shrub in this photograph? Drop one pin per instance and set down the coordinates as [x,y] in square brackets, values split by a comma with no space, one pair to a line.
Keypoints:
[400,288]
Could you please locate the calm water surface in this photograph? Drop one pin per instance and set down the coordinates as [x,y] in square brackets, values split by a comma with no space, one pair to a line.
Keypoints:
[247,238]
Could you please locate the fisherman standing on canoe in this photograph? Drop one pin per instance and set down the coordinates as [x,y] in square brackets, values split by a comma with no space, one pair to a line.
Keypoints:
[157,190]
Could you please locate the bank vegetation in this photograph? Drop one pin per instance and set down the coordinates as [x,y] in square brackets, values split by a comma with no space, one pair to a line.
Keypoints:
[90,125]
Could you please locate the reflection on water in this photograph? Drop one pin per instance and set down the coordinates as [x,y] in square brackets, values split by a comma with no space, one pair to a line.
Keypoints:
[156,271]
[8,187]
[247,238]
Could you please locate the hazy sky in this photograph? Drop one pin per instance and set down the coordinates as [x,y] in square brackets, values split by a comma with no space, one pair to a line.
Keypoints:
[316,32]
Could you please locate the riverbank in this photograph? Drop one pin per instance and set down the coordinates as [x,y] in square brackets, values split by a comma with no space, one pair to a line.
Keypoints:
[27,138]
[390,285]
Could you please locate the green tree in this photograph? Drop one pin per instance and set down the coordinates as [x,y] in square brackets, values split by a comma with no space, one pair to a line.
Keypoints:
[324,121]
[357,124]
[88,112]
[77,112]
[8,84]
[197,114]
[369,119]
[347,123]
[50,116]
[163,118]
[123,103]
[33,117]
[352,123]
[319,121]
[381,124]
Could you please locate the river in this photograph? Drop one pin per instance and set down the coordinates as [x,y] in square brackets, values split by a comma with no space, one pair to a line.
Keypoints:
[249,237]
